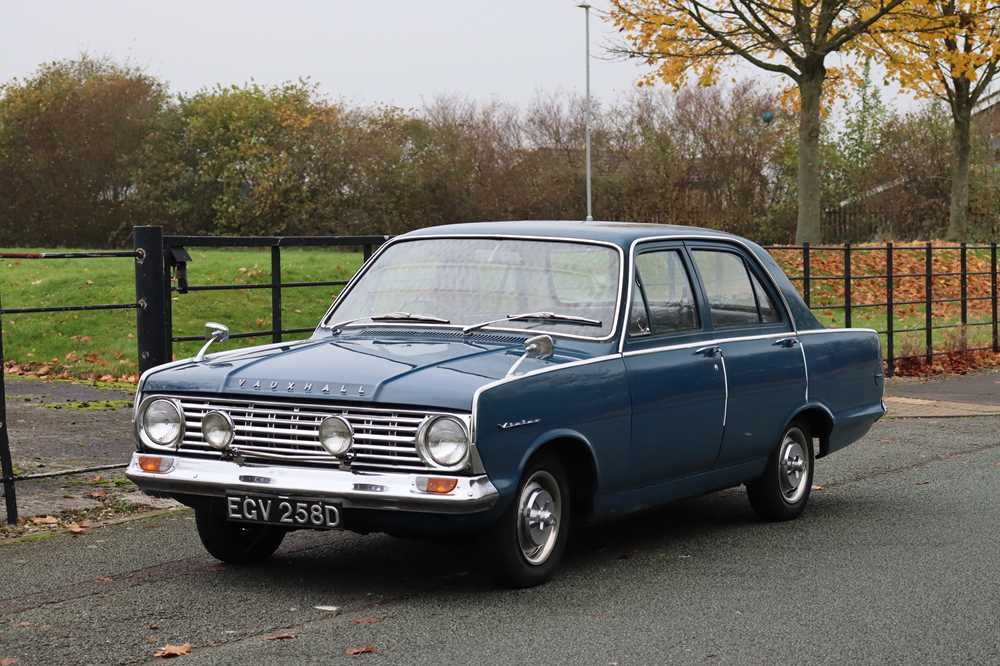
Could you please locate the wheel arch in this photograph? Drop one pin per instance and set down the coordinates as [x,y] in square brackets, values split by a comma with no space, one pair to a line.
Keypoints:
[820,421]
[577,454]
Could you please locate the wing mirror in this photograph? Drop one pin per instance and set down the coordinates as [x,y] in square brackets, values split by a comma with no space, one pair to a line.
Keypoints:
[540,347]
[214,332]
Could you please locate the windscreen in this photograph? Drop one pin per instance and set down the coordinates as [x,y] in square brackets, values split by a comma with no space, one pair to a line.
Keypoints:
[471,280]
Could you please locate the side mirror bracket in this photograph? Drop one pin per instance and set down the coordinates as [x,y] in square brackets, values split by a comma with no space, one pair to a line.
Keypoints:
[215,332]
[539,346]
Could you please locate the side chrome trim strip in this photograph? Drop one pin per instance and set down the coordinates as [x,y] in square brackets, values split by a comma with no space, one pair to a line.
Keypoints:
[638,352]
[544,239]
[702,237]
[725,395]
[705,343]
[819,331]
[805,366]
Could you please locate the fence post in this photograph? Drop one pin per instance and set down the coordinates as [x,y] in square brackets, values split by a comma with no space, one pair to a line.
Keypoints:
[276,293]
[993,293]
[805,272]
[366,250]
[963,262]
[6,464]
[928,306]
[847,285]
[152,294]
[889,311]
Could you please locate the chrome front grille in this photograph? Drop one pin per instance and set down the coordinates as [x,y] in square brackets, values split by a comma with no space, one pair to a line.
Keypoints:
[273,430]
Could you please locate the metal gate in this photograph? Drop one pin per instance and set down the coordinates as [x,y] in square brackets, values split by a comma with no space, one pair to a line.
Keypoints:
[161,270]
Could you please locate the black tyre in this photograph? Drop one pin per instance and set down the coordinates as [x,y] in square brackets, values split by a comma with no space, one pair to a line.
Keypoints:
[528,542]
[783,491]
[233,542]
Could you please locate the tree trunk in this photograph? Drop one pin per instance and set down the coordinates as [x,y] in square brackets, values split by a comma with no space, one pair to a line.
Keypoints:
[961,148]
[810,92]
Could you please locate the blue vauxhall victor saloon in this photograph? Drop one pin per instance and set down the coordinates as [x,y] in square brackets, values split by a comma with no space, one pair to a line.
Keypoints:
[505,381]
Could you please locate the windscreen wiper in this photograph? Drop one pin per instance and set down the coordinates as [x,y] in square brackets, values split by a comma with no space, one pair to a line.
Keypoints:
[388,316]
[553,317]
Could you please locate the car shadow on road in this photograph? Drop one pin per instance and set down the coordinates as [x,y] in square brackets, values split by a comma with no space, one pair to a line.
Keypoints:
[381,565]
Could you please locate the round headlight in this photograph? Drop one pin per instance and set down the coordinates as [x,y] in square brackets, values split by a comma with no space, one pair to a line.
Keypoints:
[217,428]
[162,422]
[336,435]
[443,441]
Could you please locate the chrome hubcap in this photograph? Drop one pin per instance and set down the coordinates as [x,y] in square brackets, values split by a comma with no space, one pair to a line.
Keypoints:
[538,517]
[793,464]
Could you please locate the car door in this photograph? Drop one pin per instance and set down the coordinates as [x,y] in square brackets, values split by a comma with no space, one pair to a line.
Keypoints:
[677,391]
[765,367]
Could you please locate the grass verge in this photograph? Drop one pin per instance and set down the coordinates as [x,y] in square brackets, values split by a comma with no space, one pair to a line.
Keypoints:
[101,345]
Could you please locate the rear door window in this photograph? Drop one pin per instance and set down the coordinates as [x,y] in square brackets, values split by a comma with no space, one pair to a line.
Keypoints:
[735,297]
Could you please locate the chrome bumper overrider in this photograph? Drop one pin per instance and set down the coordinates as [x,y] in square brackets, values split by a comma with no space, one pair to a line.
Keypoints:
[196,476]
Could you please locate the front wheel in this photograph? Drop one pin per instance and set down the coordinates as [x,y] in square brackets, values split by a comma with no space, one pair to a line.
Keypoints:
[783,490]
[234,542]
[529,540]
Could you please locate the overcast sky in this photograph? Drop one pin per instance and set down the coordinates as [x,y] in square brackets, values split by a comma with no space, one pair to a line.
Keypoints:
[393,51]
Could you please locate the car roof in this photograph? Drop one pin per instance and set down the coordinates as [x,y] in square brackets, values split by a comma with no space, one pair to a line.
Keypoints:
[620,233]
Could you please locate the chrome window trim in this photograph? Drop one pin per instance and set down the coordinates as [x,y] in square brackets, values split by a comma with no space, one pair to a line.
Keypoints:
[703,237]
[544,239]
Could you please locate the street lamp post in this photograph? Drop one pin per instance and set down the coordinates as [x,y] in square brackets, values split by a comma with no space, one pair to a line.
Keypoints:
[586,11]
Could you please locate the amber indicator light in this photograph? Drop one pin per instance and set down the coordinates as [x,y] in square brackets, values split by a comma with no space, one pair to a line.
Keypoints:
[150,463]
[441,486]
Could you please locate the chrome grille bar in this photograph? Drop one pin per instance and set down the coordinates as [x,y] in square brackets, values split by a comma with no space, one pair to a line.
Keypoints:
[384,439]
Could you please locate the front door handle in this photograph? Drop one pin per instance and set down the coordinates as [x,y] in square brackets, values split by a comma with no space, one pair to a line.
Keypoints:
[786,342]
[710,352]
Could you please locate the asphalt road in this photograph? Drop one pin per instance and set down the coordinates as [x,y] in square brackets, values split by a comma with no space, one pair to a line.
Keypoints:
[897,560]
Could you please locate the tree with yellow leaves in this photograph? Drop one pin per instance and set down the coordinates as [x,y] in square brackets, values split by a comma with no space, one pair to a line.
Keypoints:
[947,50]
[682,39]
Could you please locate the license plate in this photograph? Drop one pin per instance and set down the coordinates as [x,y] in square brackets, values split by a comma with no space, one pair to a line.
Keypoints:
[286,511]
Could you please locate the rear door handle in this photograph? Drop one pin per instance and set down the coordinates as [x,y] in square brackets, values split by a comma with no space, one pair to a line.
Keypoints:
[710,352]
[786,342]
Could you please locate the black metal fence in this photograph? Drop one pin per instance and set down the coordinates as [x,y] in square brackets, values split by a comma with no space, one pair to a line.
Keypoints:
[164,271]
[910,293]
[902,291]
[161,270]
[6,462]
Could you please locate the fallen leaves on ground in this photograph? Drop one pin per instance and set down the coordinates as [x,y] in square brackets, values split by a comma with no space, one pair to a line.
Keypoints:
[818,488]
[44,520]
[7,661]
[100,493]
[75,528]
[104,579]
[169,651]
[355,651]
[366,620]
[280,636]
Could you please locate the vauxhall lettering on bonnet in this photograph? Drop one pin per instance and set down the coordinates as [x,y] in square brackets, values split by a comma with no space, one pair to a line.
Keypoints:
[502,381]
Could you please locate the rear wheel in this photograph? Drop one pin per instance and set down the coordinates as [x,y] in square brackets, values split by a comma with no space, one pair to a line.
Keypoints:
[234,542]
[783,490]
[529,540]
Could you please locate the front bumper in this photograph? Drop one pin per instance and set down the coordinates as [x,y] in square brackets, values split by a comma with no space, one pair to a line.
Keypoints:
[214,478]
